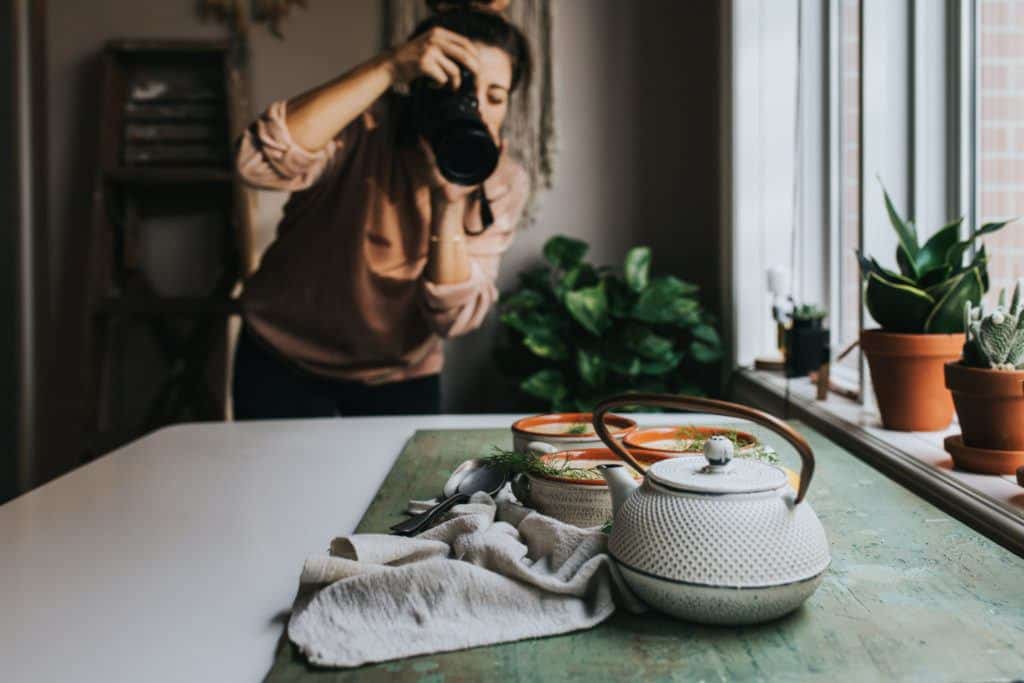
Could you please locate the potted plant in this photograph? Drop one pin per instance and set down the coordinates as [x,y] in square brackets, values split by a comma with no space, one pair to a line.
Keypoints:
[988,389]
[576,333]
[920,310]
[806,340]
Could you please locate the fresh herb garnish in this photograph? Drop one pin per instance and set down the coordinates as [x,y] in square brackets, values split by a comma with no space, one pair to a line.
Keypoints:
[577,428]
[526,463]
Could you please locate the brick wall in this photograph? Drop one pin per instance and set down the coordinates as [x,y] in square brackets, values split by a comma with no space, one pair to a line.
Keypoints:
[1001,134]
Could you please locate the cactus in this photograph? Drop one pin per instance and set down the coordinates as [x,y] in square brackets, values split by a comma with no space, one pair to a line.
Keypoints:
[996,339]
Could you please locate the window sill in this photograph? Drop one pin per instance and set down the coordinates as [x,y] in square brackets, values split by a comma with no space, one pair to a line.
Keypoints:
[990,504]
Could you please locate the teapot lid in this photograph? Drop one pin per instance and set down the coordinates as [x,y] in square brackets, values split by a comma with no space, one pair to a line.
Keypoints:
[716,472]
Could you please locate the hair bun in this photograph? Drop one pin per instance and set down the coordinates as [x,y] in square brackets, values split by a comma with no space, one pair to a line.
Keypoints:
[494,6]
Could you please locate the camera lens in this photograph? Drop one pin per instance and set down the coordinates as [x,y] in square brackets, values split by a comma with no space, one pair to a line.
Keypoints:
[450,121]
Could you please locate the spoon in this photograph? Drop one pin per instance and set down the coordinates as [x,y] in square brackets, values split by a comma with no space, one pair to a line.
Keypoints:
[487,478]
[450,487]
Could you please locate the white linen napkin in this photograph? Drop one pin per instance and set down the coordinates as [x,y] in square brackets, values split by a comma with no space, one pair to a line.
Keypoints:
[488,573]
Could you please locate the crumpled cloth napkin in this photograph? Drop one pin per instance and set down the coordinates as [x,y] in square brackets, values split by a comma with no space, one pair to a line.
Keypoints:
[488,573]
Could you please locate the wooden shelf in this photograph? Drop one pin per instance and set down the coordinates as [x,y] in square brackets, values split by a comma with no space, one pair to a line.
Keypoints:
[169,175]
[184,306]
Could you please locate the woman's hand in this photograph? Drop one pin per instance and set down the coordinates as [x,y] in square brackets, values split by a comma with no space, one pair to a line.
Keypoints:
[435,54]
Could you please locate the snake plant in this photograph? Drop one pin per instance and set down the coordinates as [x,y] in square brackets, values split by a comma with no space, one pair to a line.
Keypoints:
[996,339]
[933,285]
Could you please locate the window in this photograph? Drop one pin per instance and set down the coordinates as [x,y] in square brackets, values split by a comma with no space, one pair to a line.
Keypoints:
[1000,107]
[927,96]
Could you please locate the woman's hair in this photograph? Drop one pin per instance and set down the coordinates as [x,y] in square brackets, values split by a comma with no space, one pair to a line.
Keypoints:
[488,28]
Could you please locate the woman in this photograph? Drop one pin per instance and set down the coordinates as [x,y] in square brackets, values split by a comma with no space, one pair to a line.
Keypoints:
[377,257]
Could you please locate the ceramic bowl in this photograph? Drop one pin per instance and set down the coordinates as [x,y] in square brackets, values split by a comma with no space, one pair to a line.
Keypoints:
[580,502]
[678,441]
[542,434]
[686,439]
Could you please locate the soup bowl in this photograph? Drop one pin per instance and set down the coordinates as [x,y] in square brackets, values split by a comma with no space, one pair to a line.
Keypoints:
[541,434]
[690,440]
[577,494]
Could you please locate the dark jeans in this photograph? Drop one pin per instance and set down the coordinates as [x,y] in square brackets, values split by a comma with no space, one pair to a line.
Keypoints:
[266,386]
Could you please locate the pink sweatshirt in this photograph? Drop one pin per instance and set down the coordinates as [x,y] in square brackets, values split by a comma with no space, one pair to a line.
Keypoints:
[341,291]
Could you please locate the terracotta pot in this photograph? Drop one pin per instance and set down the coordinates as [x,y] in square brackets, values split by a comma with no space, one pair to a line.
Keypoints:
[990,404]
[982,460]
[907,373]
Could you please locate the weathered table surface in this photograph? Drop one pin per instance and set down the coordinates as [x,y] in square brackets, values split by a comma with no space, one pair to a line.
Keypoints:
[912,594]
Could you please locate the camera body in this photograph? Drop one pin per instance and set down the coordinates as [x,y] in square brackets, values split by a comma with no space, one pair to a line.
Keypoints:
[450,122]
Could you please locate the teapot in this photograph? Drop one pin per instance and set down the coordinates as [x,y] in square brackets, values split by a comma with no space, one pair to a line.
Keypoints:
[709,538]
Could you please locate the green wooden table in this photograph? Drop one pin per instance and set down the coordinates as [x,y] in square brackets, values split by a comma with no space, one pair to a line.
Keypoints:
[912,594]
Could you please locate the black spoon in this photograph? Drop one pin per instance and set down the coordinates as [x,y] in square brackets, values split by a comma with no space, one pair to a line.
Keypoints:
[489,479]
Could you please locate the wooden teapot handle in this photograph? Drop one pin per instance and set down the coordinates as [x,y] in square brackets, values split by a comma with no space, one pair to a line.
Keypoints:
[704,405]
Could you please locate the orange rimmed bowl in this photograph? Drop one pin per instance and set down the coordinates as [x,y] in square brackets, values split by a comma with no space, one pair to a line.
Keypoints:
[688,440]
[541,434]
[577,500]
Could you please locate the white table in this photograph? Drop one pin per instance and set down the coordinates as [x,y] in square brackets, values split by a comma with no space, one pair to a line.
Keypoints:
[176,558]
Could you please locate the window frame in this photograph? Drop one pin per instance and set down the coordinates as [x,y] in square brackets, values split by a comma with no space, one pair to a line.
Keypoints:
[917,131]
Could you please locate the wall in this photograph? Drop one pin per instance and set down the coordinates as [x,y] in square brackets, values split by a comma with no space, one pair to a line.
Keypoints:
[636,112]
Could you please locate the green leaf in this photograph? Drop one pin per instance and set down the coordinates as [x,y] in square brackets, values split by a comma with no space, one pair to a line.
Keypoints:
[665,301]
[580,275]
[589,307]
[989,228]
[948,315]
[897,307]
[547,384]
[646,343]
[620,298]
[870,265]
[524,299]
[703,353]
[564,252]
[707,334]
[624,363]
[906,264]
[546,344]
[537,278]
[662,365]
[934,277]
[904,230]
[933,254]
[531,321]
[591,367]
[638,263]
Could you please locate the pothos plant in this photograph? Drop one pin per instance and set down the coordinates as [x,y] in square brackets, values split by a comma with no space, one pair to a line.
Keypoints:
[577,333]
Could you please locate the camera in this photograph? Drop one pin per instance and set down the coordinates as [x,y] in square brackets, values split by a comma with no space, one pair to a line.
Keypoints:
[450,122]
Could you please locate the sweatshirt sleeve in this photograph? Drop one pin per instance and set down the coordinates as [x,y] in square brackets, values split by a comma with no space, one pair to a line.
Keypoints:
[457,308]
[268,158]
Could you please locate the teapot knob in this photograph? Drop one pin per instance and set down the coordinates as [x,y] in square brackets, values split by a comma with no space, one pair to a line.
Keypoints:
[719,451]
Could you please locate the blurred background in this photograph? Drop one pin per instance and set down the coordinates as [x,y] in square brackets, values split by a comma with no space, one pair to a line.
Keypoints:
[636,123]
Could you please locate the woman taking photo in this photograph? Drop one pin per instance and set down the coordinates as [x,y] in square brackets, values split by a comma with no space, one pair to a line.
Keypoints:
[378,257]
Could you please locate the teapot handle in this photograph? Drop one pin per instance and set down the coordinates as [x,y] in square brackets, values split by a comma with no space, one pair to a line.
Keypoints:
[704,405]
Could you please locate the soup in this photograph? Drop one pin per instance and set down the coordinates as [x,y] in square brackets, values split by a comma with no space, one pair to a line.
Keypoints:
[565,429]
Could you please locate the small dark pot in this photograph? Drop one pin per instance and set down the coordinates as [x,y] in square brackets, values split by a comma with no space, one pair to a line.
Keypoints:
[808,323]
[806,347]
